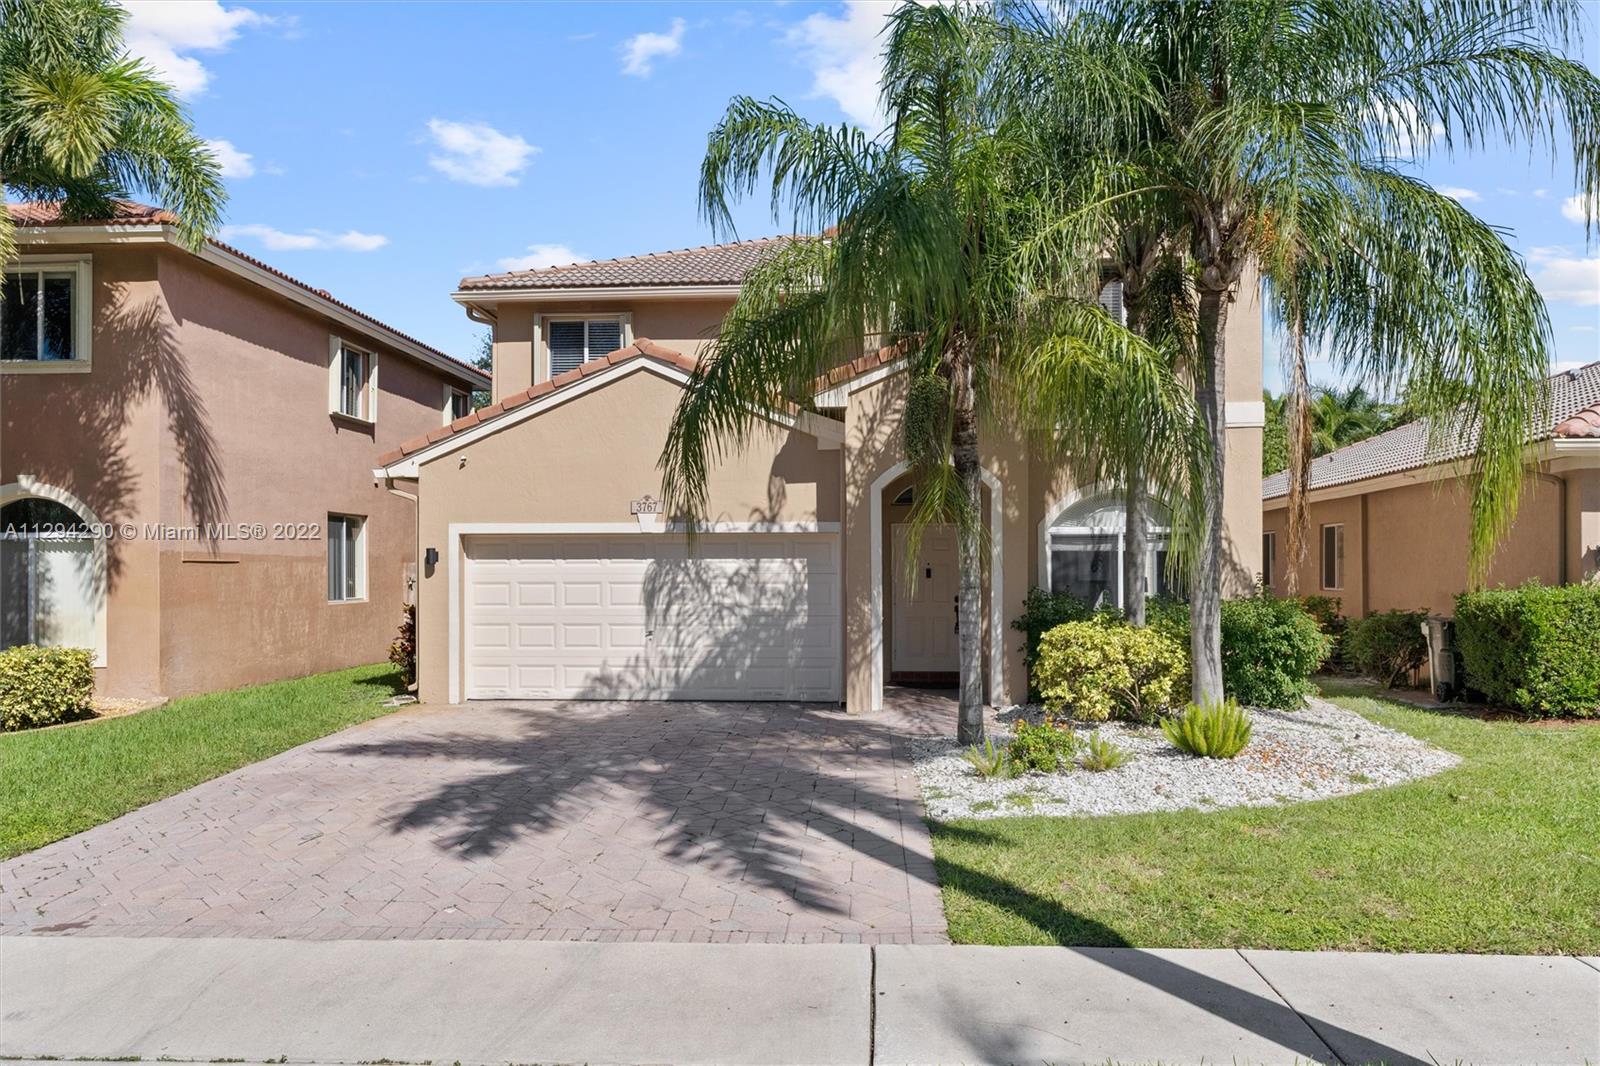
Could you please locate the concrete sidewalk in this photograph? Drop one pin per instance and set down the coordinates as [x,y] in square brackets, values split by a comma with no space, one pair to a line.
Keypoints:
[527,1002]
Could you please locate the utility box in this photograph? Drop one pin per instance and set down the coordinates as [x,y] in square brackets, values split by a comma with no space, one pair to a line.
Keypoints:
[1446,678]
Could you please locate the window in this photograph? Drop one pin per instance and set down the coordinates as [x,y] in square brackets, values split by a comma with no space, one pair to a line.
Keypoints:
[1269,557]
[52,577]
[1333,556]
[1087,546]
[347,562]
[44,315]
[1110,298]
[574,342]
[354,382]
[457,404]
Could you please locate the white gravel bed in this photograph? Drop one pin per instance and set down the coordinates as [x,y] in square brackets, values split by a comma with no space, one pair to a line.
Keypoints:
[1321,751]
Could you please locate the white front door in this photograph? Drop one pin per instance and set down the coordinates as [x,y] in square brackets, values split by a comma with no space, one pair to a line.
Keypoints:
[925,596]
[747,616]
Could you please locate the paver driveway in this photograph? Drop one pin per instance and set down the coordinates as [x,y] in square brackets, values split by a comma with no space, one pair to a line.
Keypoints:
[721,822]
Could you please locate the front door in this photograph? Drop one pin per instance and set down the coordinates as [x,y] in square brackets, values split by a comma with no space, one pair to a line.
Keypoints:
[924,621]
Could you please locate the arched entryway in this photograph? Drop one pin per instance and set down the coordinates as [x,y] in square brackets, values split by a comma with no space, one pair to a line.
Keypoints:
[52,570]
[890,507]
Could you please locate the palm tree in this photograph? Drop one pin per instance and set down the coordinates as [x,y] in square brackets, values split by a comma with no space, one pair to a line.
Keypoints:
[926,226]
[1280,126]
[82,124]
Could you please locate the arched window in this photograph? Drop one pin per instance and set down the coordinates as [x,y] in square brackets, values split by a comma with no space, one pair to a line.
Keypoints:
[1087,542]
[52,572]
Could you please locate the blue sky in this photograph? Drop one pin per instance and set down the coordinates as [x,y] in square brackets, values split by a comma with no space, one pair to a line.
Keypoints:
[381,151]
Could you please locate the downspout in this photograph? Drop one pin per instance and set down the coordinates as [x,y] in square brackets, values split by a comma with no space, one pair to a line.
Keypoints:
[1366,567]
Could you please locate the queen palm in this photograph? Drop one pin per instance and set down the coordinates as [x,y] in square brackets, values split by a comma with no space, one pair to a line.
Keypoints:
[82,124]
[924,229]
[1280,125]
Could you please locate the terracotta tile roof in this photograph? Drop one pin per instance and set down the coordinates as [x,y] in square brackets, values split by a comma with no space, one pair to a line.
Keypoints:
[130,213]
[1571,409]
[860,365]
[643,348]
[712,264]
[1586,423]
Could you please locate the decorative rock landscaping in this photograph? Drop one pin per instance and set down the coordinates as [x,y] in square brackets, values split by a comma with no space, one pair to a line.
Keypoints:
[1310,754]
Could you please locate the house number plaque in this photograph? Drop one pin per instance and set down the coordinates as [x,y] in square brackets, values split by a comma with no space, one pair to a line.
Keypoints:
[645,504]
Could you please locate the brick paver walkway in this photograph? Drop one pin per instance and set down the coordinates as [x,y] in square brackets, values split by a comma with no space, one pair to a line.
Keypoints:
[664,821]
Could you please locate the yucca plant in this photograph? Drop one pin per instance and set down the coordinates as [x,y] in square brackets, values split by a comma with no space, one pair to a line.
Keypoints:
[1100,754]
[1217,729]
[989,760]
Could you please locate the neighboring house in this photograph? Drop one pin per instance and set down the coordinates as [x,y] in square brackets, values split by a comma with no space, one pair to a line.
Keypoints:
[150,396]
[551,573]
[1390,520]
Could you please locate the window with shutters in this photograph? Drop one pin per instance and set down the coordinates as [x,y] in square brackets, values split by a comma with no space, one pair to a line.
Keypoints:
[575,341]
[1111,299]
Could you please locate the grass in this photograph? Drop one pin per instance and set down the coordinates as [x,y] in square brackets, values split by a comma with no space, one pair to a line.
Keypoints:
[56,782]
[1499,854]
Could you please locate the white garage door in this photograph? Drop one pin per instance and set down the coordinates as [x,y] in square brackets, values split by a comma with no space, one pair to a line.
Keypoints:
[739,616]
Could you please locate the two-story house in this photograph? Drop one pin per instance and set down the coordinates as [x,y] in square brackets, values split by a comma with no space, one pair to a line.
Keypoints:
[549,571]
[186,446]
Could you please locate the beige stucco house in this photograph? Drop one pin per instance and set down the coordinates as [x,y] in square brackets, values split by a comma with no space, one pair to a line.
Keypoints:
[550,573]
[1390,518]
[186,443]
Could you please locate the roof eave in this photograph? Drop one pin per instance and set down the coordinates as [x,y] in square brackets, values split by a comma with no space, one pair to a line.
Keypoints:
[470,297]
[220,255]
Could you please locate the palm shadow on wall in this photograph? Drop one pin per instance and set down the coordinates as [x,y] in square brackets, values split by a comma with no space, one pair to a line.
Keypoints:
[138,356]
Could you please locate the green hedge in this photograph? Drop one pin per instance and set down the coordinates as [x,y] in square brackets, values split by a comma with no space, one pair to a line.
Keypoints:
[1535,648]
[1387,646]
[1270,648]
[43,686]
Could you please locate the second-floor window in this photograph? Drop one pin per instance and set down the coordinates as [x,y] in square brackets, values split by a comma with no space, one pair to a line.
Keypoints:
[575,341]
[44,313]
[457,404]
[353,368]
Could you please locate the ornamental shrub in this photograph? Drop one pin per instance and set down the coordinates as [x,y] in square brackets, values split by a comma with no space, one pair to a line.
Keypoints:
[1535,648]
[1043,611]
[1387,646]
[1325,609]
[1270,649]
[43,686]
[1216,730]
[403,649]
[1108,669]
[1046,747]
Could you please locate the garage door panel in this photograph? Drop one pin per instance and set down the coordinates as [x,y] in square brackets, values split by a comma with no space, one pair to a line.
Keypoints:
[749,616]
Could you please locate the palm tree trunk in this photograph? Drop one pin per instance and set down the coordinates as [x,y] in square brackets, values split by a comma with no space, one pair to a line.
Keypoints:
[1297,425]
[1205,586]
[969,599]
[1136,548]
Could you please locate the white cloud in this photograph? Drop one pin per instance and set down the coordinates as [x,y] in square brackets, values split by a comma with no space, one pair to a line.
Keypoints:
[477,153]
[1580,329]
[162,32]
[1572,208]
[1456,192]
[640,51]
[1562,366]
[1566,279]
[234,163]
[845,54]
[1540,194]
[278,240]
[540,256]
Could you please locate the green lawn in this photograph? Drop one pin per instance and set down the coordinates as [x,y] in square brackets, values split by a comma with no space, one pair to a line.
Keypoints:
[1500,854]
[56,782]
